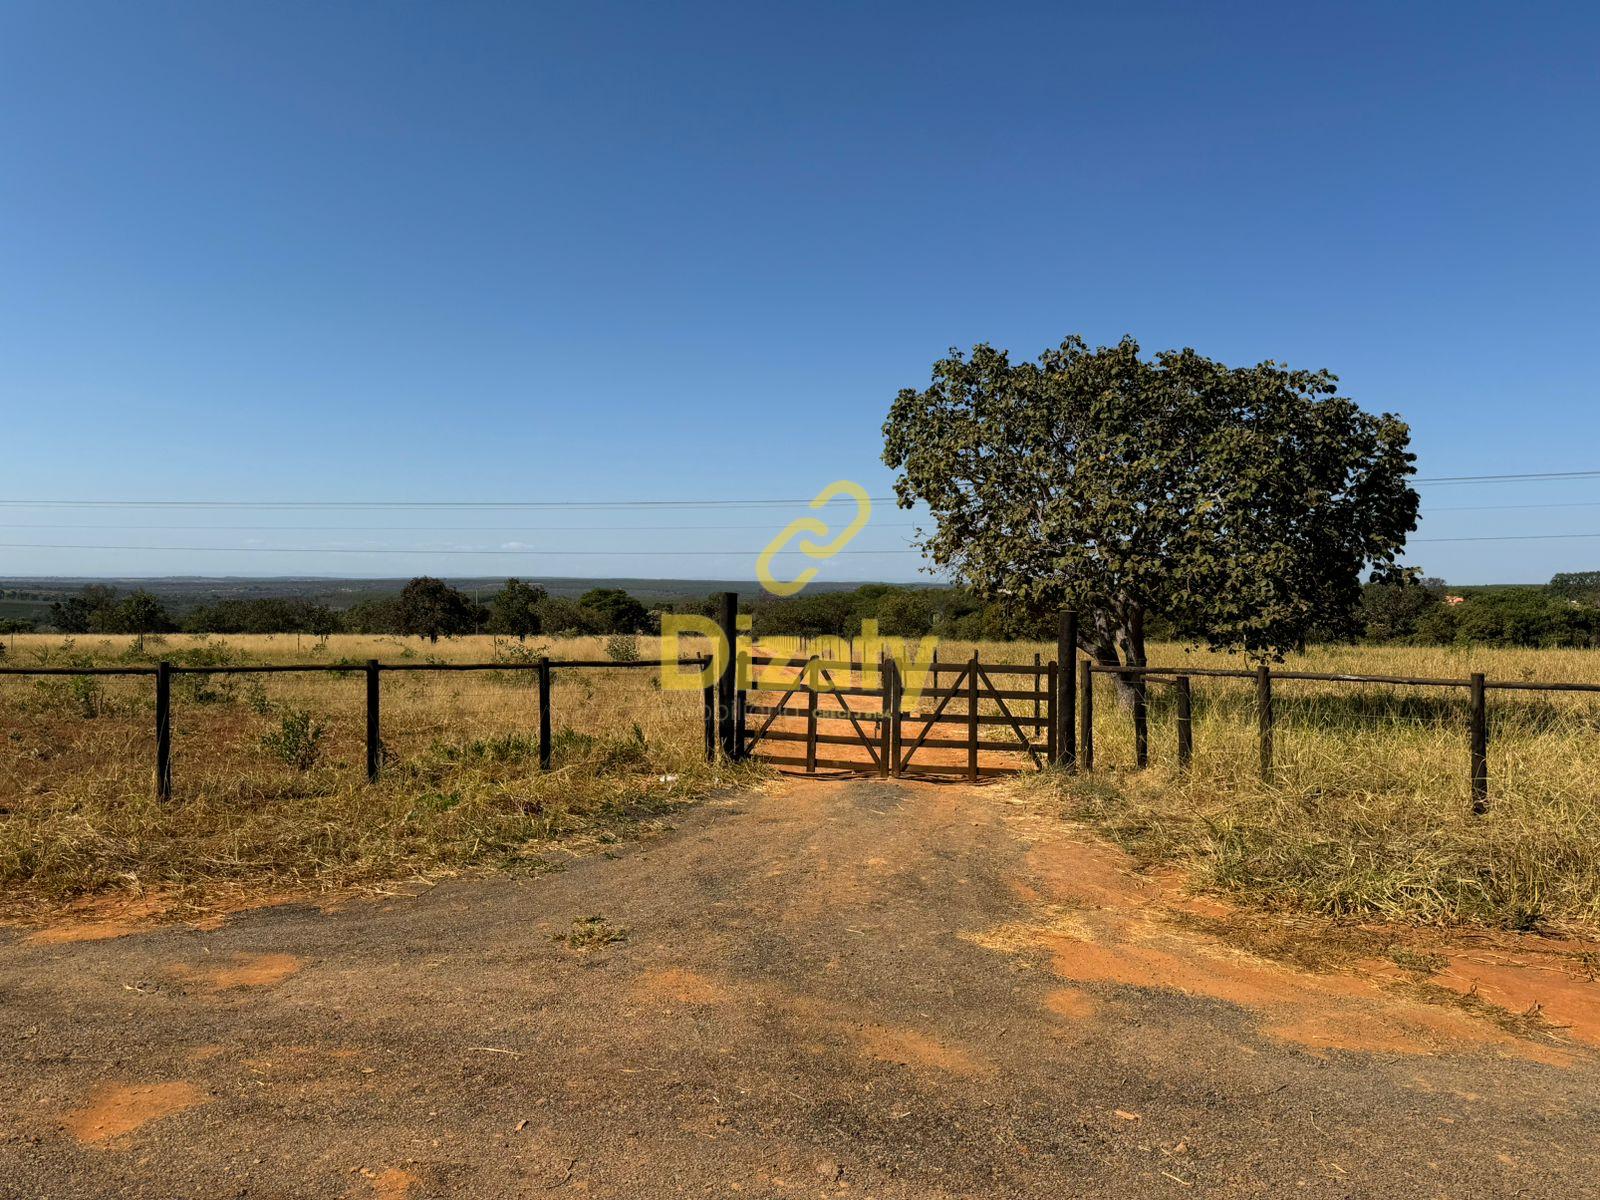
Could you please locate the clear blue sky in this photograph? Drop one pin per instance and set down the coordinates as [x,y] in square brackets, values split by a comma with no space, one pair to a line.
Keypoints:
[387,251]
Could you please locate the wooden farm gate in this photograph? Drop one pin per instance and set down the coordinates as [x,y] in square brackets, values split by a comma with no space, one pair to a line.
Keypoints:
[837,715]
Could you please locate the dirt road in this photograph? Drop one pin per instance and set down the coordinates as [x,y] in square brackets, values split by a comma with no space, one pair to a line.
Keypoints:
[830,989]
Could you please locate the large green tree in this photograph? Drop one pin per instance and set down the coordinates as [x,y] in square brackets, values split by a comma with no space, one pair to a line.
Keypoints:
[514,609]
[1241,503]
[76,614]
[138,613]
[430,607]
[615,610]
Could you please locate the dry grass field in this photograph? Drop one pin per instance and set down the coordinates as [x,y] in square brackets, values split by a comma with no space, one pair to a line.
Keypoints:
[1368,815]
[269,786]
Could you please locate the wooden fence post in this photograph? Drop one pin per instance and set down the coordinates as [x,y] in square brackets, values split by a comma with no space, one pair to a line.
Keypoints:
[1066,655]
[1185,724]
[972,717]
[811,718]
[1264,718]
[727,679]
[1141,721]
[374,741]
[163,731]
[710,693]
[1038,683]
[742,671]
[1480,747]
[896,703]
[1051,736]
[1085,715]
[885,744]
[544,714]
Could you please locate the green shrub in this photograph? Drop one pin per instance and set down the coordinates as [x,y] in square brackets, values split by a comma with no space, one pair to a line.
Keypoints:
[622,647]
[298,739]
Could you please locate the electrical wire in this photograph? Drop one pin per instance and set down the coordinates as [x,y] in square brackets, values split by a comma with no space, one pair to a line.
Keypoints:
[337,550]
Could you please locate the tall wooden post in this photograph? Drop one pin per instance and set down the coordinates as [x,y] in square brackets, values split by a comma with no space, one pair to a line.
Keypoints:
[1480,747]
[1264,718]
[742,671]
[727,678]
[544,714]
[1066,656]
[813,683]
[1141,721]
[972,717]
[163,731]
[1185,724]
[1085,715]
[1051,715]
[886,722]
[374,740]
[710,693]
[896,704]
[1038,683]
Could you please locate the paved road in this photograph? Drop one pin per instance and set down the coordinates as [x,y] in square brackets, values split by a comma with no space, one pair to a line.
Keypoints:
[830,989]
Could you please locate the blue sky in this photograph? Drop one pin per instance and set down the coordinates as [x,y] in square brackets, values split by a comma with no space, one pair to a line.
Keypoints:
[585,252]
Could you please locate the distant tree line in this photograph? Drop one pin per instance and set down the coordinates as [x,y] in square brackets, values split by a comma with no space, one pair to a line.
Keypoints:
[99,609]
[431,608]
[425,607]
[1395,609]
[1426,612]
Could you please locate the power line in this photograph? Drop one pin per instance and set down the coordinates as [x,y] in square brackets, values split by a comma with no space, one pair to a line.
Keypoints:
[620,528]
[1527,477]
[436,528]
[1512,537]
[419,504]
[1509,507]
[1518,477]
[333,550]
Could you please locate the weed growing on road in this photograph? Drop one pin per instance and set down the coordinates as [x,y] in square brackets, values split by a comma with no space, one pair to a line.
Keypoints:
[589,932]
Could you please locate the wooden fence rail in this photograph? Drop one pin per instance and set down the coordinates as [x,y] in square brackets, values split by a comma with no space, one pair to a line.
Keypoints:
[1264,677]
[372,671]
[1061,698]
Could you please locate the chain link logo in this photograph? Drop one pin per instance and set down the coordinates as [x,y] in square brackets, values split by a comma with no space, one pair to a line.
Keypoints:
[811,549]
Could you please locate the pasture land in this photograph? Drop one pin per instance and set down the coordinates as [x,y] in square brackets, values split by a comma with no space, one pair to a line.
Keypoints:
[1367,814]
[271,792]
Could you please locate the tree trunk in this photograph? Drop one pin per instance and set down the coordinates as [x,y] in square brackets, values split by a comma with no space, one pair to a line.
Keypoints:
[1115,638]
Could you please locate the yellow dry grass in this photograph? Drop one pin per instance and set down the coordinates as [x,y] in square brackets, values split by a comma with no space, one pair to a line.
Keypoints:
[1367,814]
[459,789]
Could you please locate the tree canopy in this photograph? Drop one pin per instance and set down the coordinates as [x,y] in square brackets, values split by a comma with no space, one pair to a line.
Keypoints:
[514,609]
[77,614]
[615,610]
[1241,503]
[431,607]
